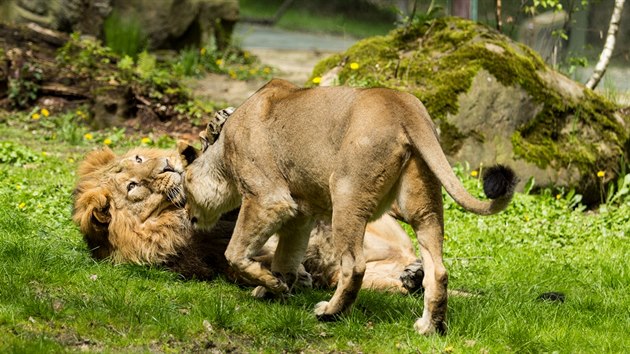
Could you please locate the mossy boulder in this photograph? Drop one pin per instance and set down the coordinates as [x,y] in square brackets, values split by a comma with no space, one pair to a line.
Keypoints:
[494,101]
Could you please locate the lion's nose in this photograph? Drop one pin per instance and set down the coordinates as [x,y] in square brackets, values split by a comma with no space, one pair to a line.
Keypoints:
[168,168]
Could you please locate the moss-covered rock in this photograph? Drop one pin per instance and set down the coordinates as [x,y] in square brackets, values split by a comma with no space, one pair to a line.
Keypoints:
[494,101]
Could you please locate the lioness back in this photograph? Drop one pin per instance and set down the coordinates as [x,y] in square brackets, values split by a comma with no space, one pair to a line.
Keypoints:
[309,128]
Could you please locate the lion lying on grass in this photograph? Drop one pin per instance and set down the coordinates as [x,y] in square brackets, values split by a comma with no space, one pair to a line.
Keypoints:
[289,156]
[130,210]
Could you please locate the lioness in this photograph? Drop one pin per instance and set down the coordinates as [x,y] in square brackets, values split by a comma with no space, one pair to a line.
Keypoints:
[129,209]
[289,156]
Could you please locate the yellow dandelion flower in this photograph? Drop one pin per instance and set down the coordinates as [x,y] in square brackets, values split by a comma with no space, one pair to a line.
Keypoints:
[354,66]
[558,196]
[219,62]
[246,54]
[202,51]
[252,71]
[474,173]
[317,80]
[80,113]
[88,136]
[22,205]
[601,174]
[232,74]
[146,140]
[70,160]
[44,153]
[45,112]
[267,70]
[445,237]
[35,116]
[107,141]
[18,187]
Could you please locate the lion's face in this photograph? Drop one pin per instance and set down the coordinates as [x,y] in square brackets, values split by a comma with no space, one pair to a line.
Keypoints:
[127,206]
[146,180]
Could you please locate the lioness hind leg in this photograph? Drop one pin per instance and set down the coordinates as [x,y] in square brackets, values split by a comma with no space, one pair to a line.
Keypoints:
[420,204]
[348,234]
[254,226]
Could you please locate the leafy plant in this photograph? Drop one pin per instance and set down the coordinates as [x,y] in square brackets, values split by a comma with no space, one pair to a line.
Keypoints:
[618,191]
[16,155]
[124,34]
[23,89]
[66,127]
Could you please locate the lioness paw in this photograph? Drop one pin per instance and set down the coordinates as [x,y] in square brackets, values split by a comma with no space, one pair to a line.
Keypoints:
[412,276]
[321,312]
[261,293]
[426,327]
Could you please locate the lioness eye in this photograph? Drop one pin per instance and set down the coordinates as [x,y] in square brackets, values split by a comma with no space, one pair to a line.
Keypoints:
[138,159]
[131,186]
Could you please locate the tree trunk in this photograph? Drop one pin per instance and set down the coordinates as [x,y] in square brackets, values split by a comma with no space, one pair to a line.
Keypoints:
[498,14]
[604,58]
[461,8]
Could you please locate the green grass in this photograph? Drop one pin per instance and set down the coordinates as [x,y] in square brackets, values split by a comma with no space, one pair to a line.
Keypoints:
[55,298]
[337,18]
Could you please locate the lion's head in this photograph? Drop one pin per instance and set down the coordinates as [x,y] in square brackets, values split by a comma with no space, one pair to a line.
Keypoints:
[130,207]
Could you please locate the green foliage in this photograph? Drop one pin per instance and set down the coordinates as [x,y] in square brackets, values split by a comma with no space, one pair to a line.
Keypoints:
[22,91]
[124,34]
[618,190]
[16,155]
[545,5]
[66,127]
[239,65]
[85,55]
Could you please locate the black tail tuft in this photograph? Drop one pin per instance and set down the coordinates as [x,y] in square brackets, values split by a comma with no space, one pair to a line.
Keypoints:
[499,181]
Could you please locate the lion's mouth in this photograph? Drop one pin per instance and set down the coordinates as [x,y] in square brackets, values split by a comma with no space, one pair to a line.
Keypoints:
[176,196]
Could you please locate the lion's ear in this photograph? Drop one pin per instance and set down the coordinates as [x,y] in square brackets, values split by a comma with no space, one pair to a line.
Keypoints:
[187,152]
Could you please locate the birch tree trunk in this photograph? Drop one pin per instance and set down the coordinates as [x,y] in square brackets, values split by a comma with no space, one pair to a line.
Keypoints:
[604,58]
[498,15]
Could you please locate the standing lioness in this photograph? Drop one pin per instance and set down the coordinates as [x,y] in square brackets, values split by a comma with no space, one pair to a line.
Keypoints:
[289,156]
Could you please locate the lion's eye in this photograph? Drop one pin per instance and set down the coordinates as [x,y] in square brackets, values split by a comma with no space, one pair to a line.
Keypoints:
[131,186]
[138,159]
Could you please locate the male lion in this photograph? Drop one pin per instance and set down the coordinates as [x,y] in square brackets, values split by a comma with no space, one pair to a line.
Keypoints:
[289,156]
[129,209]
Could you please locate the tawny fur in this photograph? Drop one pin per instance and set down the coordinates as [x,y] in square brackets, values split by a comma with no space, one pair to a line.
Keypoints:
[142,225]
[290,156]
[167,239]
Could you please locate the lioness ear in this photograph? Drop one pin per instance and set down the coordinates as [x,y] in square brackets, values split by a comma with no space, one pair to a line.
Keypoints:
[187,152]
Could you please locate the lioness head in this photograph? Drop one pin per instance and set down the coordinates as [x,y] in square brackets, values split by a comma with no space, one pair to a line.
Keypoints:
[205,177]
[130,207]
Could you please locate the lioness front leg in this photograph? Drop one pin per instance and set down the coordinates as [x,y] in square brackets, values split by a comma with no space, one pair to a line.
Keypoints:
[292,244]
[254,226]
[288,255]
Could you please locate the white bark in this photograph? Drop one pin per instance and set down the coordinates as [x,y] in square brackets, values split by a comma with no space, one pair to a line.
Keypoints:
[604,58]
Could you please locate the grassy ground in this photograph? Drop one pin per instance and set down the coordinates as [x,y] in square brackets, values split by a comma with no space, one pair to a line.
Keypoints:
[54,298]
